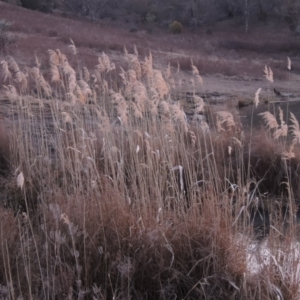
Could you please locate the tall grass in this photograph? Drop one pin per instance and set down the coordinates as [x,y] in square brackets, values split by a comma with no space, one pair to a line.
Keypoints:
[111,193]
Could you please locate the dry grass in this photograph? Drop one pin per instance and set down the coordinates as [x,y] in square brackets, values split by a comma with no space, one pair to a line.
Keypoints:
[109,192]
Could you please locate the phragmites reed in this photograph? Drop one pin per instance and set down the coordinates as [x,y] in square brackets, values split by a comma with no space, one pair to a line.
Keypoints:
[289,64]
[196,73]
[256,98]
[271,123]
[295,129]
[103,121]
[11,92]
[198,105]
[73,47]
[120,106]
[86,74]
[12,64]
[159,84]
[85,88]
[55,74]
[133,62]
[226,118]
[179,117]
[53,58]
[268,74]
[104,64]
[270,120]
[165,116]
[5,70]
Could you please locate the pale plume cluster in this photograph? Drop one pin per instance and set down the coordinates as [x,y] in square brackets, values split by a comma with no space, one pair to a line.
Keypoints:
[280,130]
[224,118]
[12,71]
[268,74]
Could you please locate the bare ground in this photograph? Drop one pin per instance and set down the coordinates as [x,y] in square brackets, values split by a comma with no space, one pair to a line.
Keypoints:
[230,62]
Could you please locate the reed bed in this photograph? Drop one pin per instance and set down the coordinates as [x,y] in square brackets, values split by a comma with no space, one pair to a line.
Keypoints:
[109,192]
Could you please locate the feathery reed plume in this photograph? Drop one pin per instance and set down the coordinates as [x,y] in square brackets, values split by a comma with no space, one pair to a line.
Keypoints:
[159,84]
[79,94]
[86,74]
[147,66]
[66,118]
[12,64]
[165,116]
[256,98]
[105,65]
[135,51]
[224,117]
[70,74]
[295,129]
[167,72]
[196,74]
[270,120]
[54,72]
[5,71]
[20,180]
[103,120]
[37,62]
[289,154]
[179,117]
[268,74]
[46,88]
[11,92]
[85,88]
[191,138]
[53,58]
[198,104]
[21,79]
[120,106]
[72,47]
[152,103]
[289,64]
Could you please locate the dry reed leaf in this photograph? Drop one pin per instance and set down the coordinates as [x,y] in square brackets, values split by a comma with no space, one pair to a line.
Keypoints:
[256,98]
[20,180]
[268,74]
[147,146]
[137,150]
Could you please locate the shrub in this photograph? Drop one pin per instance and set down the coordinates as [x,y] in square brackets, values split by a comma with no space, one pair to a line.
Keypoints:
[176,27]
[6,37]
